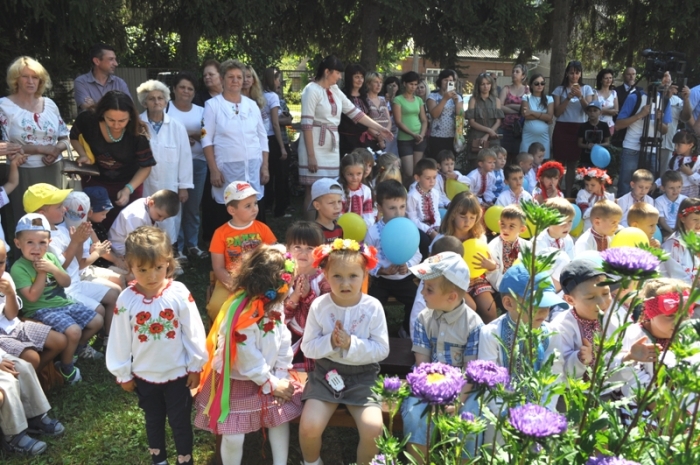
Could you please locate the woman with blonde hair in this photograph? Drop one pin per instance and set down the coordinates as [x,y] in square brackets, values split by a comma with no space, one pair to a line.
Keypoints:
[252,87]
[485,115]
[33,121]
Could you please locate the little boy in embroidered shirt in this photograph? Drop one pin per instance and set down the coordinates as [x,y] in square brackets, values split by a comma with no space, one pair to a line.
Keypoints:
[537,151]
[641,183]
[505,249]
[667,204]
[446,163]
[645,217]
[327,200]
[482,181]
[515,193]
[423,198]
[447,331]
[605,218]
[501,160]
[558,236]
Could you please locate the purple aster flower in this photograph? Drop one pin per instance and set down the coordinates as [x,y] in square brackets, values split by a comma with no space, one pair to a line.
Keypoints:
[630,261]
[607,460]
[536,421]
[380,459]
[436,383]
[392,384]
[467,416]
[487,373]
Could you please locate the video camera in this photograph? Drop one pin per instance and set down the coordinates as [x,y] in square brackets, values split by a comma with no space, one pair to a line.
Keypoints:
[657,63]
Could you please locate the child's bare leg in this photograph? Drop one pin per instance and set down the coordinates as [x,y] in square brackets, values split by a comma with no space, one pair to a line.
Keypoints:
[469,301]
[73,334]
[486,307]
[369,423]
[232,449]
[279,442]
[31,356]
[109,301]
[92,328]
[314,419]
[55,344]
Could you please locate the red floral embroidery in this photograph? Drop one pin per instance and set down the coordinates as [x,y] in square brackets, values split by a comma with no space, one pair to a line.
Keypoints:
[275,316]
[116,311]
[176,324]
[170,335]
[143,338]
[168,314]
[143,317]
[156,328]
[240,338]
[190,298]
[269,326]
[136,328]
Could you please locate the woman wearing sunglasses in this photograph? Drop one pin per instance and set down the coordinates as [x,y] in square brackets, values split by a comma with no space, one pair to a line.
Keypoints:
[570,101]
[538,109]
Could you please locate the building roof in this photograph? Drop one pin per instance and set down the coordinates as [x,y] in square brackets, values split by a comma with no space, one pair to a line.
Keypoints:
[479,54]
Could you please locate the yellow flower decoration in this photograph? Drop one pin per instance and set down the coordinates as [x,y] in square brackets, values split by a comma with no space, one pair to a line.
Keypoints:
[338,244]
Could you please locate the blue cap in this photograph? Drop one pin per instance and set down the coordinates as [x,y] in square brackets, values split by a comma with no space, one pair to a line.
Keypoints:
[594,104]
[517,278]
[99,198]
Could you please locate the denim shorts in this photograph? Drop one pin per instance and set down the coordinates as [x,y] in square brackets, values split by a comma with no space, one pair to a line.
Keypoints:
[60,318]
[408,147]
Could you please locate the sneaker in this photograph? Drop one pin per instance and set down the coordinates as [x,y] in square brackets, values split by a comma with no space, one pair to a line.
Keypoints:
[45,425]
[89,353]
[180,257]
[73,377]
[196,252]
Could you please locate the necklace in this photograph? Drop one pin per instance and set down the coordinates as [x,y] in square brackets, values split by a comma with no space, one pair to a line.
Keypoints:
[111,137]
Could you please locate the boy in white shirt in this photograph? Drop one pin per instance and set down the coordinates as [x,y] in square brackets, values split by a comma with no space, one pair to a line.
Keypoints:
[640,186]
[446,163]
[525,162]
[423,198]
[482,181]
[501,160]
[667,204]
[558,237]
[605,218]
[389,279]
[515,193]
[504,249]
[645,217]
[537,151]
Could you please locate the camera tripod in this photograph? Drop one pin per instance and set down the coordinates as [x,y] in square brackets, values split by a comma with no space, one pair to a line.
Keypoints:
[652,139]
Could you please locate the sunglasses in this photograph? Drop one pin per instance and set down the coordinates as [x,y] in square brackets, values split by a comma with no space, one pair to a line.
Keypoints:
[574,63]
[538,83]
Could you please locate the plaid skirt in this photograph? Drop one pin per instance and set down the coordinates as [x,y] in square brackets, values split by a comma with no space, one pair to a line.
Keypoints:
[26,335]
[250,409]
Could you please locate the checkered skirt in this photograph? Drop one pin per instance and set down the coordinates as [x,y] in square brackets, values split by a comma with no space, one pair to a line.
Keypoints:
[26,335]
[250,410]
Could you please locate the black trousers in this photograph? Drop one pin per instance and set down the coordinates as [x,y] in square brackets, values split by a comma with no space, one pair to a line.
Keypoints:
[277,188]
[404,290]
[208,221]
[171,399]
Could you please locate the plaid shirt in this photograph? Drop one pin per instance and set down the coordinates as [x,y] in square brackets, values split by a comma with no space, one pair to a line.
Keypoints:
[448,337]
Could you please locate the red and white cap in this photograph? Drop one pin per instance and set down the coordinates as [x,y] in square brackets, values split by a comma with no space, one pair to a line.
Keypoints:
[238,190]
[77,206]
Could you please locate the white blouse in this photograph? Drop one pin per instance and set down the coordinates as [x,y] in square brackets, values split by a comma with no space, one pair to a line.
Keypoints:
[171,149]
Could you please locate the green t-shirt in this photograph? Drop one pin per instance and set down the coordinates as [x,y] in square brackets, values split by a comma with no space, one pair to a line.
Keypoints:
[410,115]
[24,275]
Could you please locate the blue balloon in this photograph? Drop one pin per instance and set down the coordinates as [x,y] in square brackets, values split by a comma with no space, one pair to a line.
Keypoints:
[600,156]
[443,212]
[399,240]
[657,235]
[577,217]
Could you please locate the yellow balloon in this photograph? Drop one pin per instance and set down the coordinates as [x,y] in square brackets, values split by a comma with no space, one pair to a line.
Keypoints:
[529,230]
[492,216]
[578,230]
[472,247]
[629,237]
[454,187]
[354,227]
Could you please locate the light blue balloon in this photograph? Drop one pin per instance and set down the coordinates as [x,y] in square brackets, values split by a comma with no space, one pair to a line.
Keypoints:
[577,217]
[399,240]
[443,212]
[600,156]
[657,235]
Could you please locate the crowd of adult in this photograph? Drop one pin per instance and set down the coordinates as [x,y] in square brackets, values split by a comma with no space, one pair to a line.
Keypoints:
[195,140]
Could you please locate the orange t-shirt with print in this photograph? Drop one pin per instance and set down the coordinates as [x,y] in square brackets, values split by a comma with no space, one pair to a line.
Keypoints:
[233,242]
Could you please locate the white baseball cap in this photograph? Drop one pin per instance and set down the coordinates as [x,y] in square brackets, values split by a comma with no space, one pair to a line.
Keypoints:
[448,264]
[324,186]
[33,222]
[77,206]
[238,190]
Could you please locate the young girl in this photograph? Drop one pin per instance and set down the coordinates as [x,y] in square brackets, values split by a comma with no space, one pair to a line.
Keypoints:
[501,158]
[368,160]
[386,163]
[309,283]
[685,160]
[247,384]
[463,221]
[157,345]
[594,181]
[681,263]
[346,334]
[358,196]
[548,176]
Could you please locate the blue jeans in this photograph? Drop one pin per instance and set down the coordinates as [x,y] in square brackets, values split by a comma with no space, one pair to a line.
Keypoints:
[189,228]
[629,163]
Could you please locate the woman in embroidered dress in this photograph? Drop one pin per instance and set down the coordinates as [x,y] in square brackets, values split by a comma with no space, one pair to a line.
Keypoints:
[511,99]
[246,383]
[157,343]
[322,103]
[377,105]
[33,122]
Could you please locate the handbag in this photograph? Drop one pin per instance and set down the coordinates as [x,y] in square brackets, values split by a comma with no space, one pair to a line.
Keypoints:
[72,169]
[478,144]
[517,128]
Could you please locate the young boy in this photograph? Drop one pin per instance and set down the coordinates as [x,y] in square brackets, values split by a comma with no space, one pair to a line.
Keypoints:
[388,279]
[482,180]
[558,237]
[23,408]
[605,218]
[645,217]
[501,160]
[11,184]
[592,132]
[41,282]
[446,163]
[667,204]
[525,161]
[150,211]
[423,198]
[447,331]
[100,205]
[505,248]
[67,246]
[584,291]
[515,193]
[640,186]
[327,200]
[241,234]
[537,151]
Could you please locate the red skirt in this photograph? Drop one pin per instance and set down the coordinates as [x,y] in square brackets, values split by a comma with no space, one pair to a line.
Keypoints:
[249,409]
[565,141]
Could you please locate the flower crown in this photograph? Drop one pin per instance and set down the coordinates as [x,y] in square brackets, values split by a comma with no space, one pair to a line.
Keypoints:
[665,304]
[593,172]
[688,210]
[550,165]
[284,280]
[323,251]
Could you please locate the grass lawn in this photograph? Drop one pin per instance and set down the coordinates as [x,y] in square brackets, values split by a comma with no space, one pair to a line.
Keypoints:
[104,424]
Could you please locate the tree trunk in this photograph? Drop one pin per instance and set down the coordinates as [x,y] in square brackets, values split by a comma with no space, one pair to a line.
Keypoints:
[187,51]
[369,52]
[560,41]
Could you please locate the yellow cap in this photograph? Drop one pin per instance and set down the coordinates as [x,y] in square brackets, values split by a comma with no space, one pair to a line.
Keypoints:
[42,194]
